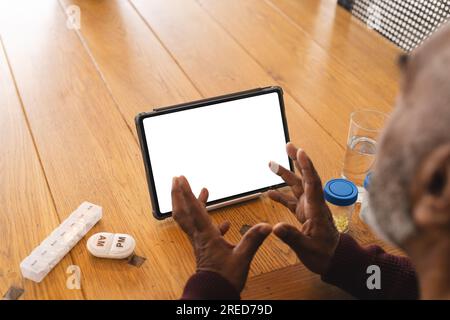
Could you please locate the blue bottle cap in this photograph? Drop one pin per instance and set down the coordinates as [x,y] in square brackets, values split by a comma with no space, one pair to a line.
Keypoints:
[341,192]
[367,181]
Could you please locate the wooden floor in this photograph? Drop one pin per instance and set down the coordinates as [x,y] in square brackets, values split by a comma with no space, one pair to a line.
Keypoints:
[68,100]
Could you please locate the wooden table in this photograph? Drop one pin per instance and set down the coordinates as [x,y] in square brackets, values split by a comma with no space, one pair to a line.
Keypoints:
[68,100]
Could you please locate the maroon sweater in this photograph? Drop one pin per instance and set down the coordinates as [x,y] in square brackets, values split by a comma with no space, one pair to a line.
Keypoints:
[347,271]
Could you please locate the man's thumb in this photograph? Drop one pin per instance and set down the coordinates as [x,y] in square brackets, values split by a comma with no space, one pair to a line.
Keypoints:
[291,235]
[252,240]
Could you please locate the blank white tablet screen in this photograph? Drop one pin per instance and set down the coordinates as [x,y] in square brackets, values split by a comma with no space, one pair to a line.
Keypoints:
[225,147]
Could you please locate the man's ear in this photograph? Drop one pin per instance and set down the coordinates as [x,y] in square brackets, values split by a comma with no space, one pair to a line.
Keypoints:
[431,190]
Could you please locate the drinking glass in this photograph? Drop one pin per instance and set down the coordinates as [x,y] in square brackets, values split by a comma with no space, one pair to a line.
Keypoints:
[365,126]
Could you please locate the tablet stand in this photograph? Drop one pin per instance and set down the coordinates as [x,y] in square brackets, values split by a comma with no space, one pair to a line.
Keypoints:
[233,201]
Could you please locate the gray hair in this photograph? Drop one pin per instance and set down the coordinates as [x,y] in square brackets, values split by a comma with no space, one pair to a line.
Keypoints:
[419,125]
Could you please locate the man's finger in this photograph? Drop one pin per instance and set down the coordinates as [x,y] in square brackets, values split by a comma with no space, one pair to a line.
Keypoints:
[291,150]
[186,189]
[203,196]
[224,227]
[291,179]
[291,236]
[286,200]
[178,207]
[252,240]
[177,197]
[193,207]
[311,179]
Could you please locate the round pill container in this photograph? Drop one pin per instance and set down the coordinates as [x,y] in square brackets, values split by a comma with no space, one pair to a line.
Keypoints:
[365,207]
[341,195]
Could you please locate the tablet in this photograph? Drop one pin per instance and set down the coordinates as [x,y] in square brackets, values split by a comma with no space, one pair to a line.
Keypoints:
[223,144]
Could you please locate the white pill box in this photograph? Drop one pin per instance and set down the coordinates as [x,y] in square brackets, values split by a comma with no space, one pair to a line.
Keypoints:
[111,245]
[44,257]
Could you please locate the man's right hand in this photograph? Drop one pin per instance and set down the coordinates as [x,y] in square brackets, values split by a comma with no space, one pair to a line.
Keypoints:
[316,241]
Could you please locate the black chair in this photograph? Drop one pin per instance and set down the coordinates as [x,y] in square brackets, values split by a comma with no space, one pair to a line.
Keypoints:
[407,23]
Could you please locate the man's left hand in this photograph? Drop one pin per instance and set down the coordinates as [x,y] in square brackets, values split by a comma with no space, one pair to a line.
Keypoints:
[212,251]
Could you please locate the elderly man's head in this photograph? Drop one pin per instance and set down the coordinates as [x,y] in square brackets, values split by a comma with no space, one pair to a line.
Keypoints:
[410,190]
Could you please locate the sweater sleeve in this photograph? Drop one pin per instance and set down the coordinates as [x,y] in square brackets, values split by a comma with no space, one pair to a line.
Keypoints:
[348,271]
[207,285]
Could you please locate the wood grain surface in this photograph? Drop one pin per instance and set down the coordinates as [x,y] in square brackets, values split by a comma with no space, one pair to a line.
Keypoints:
[68,100]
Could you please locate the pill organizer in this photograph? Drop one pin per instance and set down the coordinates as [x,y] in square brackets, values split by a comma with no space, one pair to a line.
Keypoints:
[111,245]
[47,255]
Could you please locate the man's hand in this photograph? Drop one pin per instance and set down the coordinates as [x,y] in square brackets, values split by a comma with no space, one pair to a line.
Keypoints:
[212,251]
[316,241]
